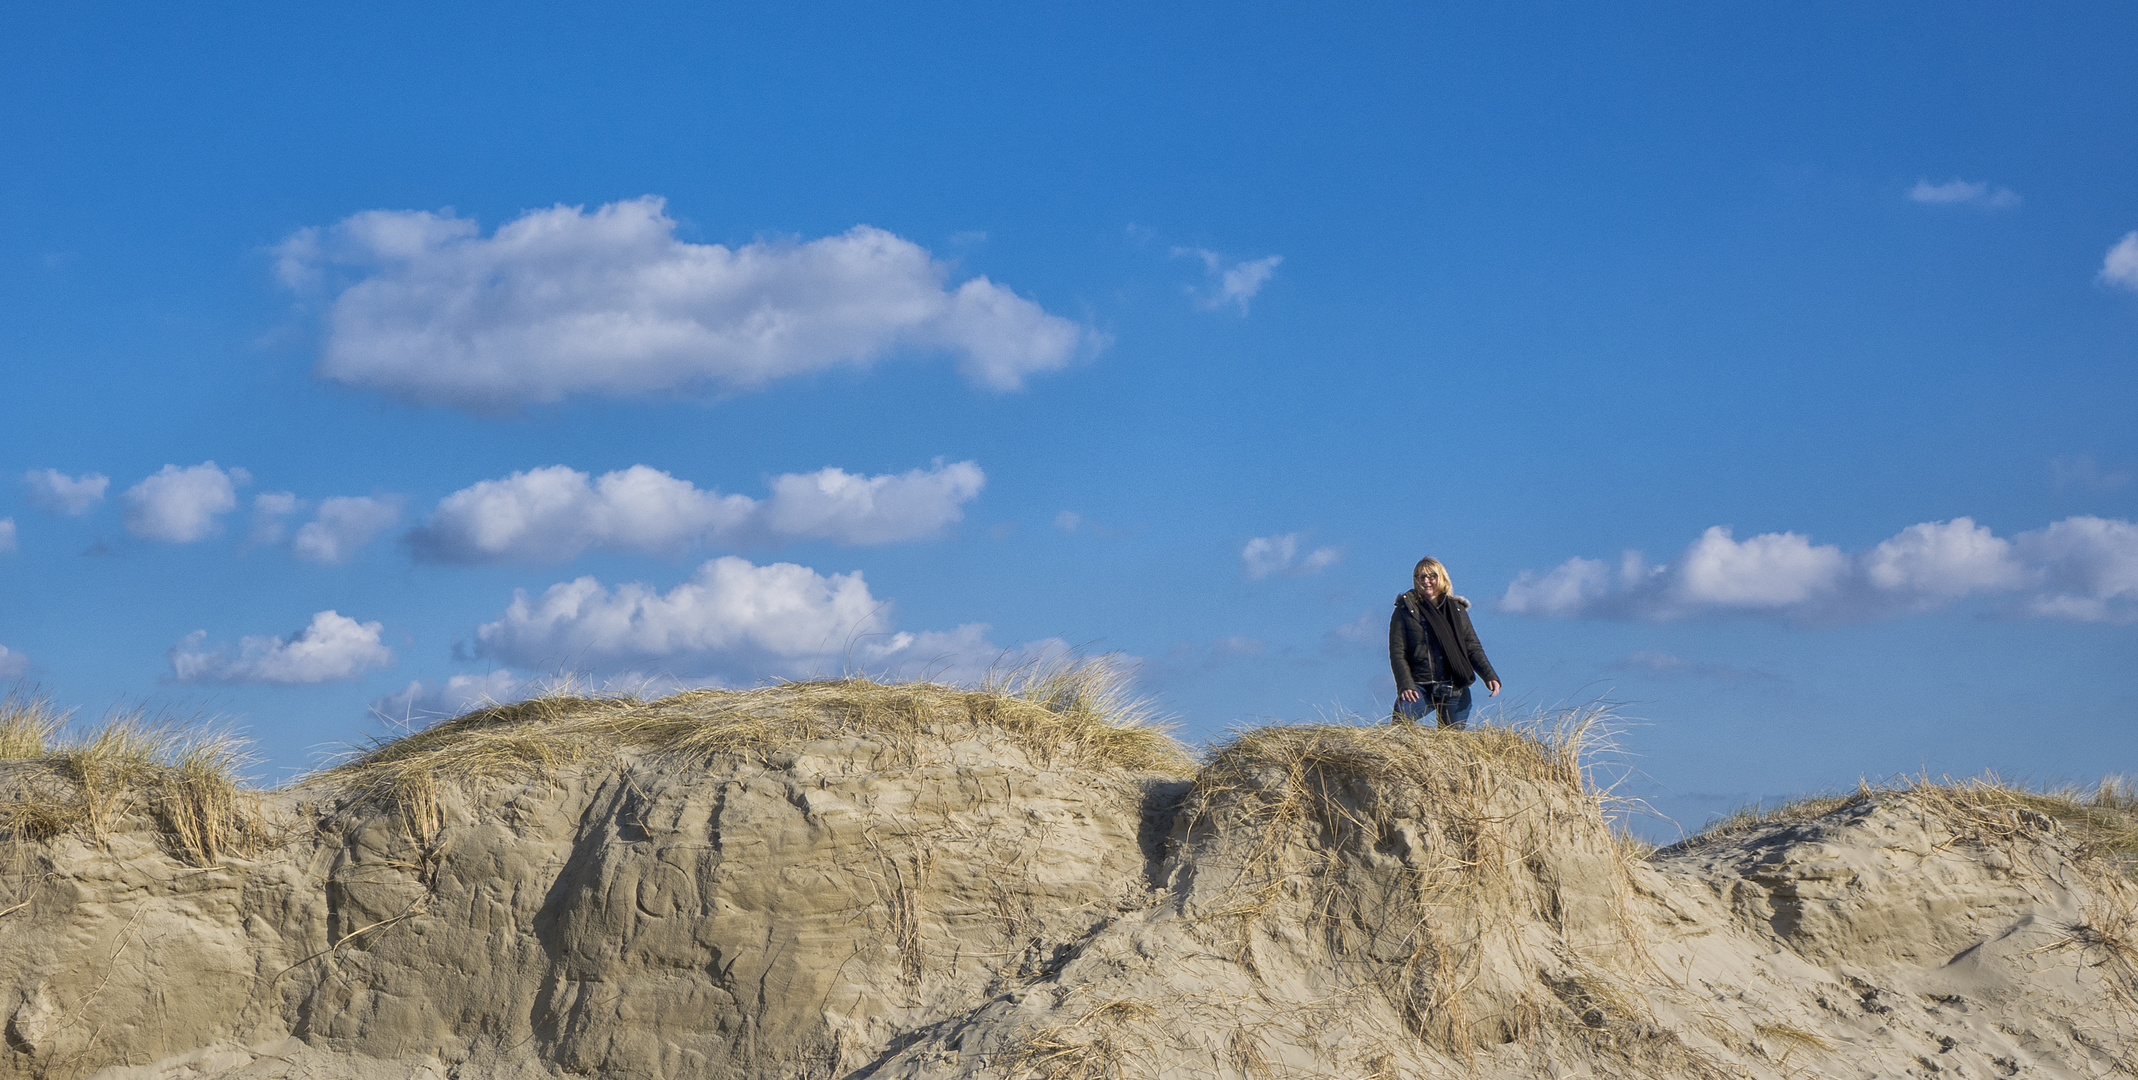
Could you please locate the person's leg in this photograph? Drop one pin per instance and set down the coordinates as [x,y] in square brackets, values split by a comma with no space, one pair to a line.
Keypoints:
[1457,717]
[1410,712]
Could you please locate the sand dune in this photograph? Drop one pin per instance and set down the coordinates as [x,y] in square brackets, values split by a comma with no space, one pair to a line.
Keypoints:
[847,880]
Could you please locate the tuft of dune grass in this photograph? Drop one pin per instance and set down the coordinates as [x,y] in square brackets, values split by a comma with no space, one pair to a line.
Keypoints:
[184,778]
[1078,712]
[28,724]
[1552,748]
[1429,933]
[2099,823]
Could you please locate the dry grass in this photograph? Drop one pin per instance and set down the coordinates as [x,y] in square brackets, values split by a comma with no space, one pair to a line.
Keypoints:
[1553,749]
[1313,773]
[1077,712]
[28,724]
[1475,824]
[2107,940]
[1097,1045]
[183,777]
[1791,1038]
[1756,817]
[2097,824]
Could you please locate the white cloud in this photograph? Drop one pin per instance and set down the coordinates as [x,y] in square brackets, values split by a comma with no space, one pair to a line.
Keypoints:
[964,656]
[1266,555]
[1943,561]
[59,493]
[778,615]
[1772,570]
[7,536]
[735,620]
[2088,569]
[555,513]
[562,302]
[1068,520]
[2081,568]
[269,508]
[1963,193]
[344,524]
[1572,588]
[1230,282]
[457,695]
[12,663]
[2120,266]
[831,504]
[179,506]
[332,648]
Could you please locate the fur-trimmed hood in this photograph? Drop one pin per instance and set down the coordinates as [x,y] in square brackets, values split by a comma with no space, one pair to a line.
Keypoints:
[1462,603]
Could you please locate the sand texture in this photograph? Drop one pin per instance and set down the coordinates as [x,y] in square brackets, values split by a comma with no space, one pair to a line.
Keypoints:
[953,900]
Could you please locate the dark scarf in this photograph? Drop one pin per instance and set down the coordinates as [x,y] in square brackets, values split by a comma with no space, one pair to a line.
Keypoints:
[1459,670]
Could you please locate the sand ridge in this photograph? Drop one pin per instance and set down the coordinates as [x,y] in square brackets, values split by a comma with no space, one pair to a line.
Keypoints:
[922,884]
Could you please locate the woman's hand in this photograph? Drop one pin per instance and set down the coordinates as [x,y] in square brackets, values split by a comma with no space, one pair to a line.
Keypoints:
[1494,686]
[1410,694]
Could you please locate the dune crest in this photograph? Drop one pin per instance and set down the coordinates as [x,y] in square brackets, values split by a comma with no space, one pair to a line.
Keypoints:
[848,879]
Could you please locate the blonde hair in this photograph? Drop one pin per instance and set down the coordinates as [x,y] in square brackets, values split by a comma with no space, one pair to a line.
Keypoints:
[1430,565]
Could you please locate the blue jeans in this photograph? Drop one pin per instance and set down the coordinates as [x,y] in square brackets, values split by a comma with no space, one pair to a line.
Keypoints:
[1410,712]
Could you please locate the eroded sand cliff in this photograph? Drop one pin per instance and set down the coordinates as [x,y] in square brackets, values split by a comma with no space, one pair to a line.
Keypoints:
[847,880]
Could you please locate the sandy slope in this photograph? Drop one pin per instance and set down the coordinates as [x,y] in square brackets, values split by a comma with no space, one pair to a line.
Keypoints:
[1319,902]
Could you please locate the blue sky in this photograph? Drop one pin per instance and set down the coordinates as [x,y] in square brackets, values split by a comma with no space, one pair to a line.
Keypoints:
[368,361]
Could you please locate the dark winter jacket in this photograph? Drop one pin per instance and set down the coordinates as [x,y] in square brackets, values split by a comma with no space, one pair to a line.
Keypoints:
[1416,627]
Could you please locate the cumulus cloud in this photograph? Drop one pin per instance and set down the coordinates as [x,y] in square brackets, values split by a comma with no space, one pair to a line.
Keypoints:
[1267,555]
[562,302]
[332,648]
[270,509]
[341,526]
[455,696]
[831,504]
[555,513]
[1963,193]
[2120,266]
[12,663]
[1575,587]
[1939,562]
[964,656]
[777,614]
[2087,570]
[59,493]
[732,619]
[1772,570]
[2081,568]
[1229,281]
[179,506]
[344,524]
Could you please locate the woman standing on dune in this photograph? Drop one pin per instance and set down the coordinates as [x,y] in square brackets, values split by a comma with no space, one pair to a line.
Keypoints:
[1434,650]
